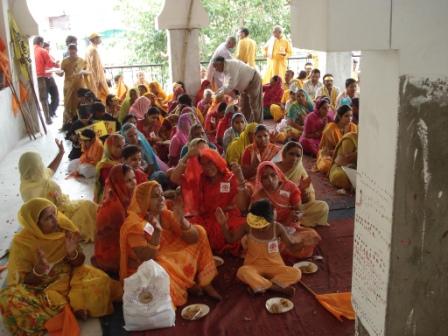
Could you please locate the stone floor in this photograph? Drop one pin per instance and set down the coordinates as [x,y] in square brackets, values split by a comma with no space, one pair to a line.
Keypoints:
[10,200]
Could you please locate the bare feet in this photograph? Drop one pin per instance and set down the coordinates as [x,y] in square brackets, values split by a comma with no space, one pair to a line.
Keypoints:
[212,292]
[288,291]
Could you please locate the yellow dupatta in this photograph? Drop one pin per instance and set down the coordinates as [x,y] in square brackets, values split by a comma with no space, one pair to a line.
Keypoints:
[24,245]
[238,145]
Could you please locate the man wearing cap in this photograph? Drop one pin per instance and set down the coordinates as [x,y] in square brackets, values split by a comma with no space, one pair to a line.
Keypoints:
[244,79]
[92,152]
[277,50]
[97,82]
[43,63]
[328,90]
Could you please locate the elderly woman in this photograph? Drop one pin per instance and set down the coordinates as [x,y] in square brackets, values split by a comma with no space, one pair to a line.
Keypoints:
[332,134]
[110,216]
[261,150]
[207,184]
[285,196]
[36,180]
[204,104]
[315,124]
[152,232]
[46,273]
[112,156]
[290,163]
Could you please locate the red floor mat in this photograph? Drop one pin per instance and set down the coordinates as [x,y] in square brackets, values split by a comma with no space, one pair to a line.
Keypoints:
[242,314]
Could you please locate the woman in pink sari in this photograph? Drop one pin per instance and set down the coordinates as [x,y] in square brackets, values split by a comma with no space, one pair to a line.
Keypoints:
[315,123]
[140,107]
[186,120]
[285,196]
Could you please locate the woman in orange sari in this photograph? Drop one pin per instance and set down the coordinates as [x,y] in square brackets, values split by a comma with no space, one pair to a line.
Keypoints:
[261,150]
[152,232]
[332,134]
[286,199]
[111,215]
[111,156]
[161,98]
[207,184]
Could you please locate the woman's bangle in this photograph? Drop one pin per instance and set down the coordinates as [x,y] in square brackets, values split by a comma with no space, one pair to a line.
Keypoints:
[187,229]
[38,274]
[154,247]
[75,257]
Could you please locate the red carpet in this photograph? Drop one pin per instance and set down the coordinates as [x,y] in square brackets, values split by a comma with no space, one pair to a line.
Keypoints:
[242,314]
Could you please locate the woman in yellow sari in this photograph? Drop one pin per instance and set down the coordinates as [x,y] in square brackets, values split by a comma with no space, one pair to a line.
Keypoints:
[46,273]
[345,154]
[161,98]
[236,148]
[36,180]
[332,134]
[152,232]
[290,163]
[74,80]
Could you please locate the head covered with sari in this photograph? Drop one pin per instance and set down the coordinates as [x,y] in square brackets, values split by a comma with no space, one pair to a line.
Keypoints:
[157,90]
[186,120]
[108,159]
[238,145]
[226,121]
[35,179]
[31,238]
[115,188]
[200,94]
[140,107]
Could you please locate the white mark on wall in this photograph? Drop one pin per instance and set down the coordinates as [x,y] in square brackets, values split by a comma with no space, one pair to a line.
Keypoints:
[411,324]
[440,194]
[422,132]
[415,154]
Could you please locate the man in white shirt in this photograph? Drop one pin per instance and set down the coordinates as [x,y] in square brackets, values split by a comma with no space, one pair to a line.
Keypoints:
[223,50]
[313,84]
[247,81]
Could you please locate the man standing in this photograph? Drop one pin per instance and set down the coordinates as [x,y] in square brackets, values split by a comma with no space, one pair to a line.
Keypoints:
[247,81]
[313,84]
[43,63]
[52,87]
[224,50]
[277,50]
[246,49]
[98,83]
[328,90]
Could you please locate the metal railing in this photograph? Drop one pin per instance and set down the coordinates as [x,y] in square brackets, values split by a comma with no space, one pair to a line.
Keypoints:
[159,72]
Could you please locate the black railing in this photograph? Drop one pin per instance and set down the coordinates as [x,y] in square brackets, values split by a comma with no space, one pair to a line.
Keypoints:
[159,72]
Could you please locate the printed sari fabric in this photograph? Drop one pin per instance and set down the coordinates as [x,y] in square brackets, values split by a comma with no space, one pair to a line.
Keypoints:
[202,196]
[110,216]
[184,263]
[286,199]
[348,145]
[26,308]
[37,181]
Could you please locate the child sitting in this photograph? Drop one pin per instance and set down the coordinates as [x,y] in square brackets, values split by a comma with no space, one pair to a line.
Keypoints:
[263,267]
[83,121]
[92,152]
[133,157]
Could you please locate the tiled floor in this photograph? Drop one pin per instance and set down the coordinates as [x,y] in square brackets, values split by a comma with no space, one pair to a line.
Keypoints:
[10,200]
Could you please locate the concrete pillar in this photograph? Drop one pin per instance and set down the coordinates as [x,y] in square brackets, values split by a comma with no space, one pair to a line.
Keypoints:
[183,20]
[339,64]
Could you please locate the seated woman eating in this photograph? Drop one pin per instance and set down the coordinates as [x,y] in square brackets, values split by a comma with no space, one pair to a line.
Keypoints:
[332,134]
[261,150]
[284,195]
[36,180]
[152,232]
[110,216]
[46,273]
[315,124]
[345,155]
[314,212]
[206,184]
[264,268]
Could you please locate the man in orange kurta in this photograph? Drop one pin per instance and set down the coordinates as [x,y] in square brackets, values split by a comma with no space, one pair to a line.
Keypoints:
[277,50]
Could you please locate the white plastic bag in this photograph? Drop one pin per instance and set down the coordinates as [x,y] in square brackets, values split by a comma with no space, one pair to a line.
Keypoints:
[146,300]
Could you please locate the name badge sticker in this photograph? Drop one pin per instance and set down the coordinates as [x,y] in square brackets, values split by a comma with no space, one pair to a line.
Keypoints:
[285,193]
[273,246]
[149,229]
[224,187]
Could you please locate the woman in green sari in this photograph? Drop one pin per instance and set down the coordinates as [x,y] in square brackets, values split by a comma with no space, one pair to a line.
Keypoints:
[131,97]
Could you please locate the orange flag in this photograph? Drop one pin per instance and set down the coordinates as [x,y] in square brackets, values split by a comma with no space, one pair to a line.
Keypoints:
[338,304]
[63,324]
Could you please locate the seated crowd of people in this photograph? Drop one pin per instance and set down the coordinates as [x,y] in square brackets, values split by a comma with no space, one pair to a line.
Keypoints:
[178,180]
